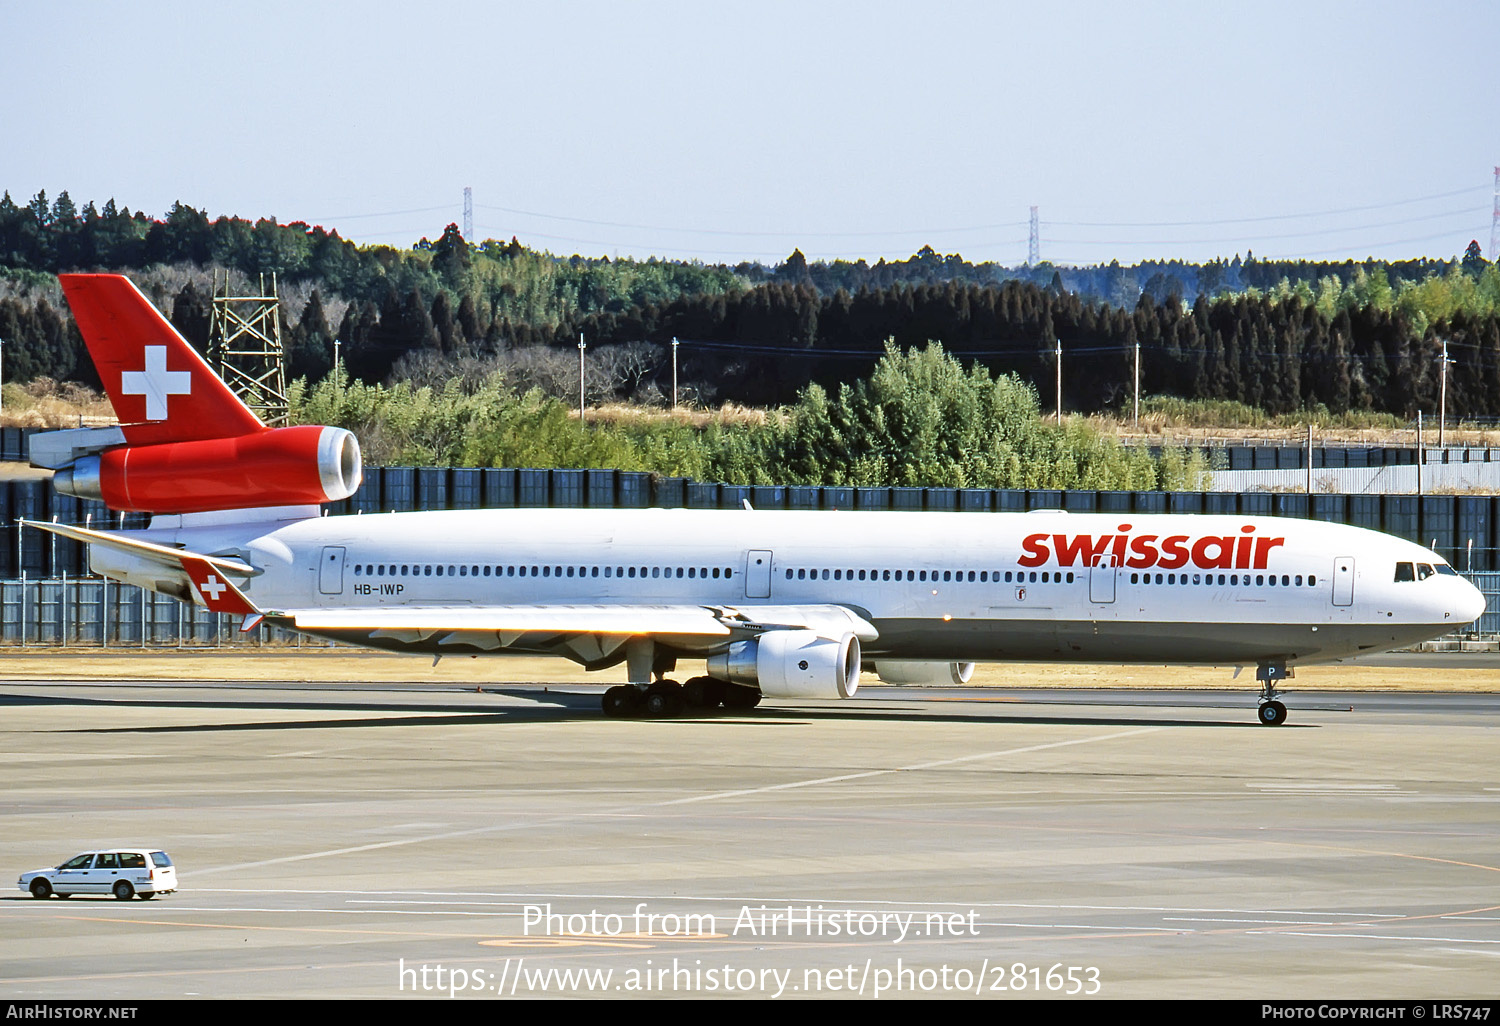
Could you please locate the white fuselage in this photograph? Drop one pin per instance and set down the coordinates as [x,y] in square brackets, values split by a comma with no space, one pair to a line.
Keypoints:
[1159,588]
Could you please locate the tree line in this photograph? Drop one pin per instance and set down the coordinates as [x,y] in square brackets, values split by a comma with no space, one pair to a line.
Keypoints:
[1277,335]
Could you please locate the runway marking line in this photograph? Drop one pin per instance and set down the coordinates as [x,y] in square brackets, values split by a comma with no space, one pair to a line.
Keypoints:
[936,764]
[282,929]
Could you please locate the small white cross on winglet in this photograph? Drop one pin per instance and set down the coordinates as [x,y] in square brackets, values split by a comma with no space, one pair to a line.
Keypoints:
[156,383]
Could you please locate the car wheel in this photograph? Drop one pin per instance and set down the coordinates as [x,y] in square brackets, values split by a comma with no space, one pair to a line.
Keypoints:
[41,889]
[123,890]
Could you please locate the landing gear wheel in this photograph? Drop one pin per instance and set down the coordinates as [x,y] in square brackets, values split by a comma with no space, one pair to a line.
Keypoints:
[41,889]
[662,700]
[1272,714]
[703,693]
[740,697]
[621,701]
[123,890]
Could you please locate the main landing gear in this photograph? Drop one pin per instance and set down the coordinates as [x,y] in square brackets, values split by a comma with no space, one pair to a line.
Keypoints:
[663,699]
[1272,712]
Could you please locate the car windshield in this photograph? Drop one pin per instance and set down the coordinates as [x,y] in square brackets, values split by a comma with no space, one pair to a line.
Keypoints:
[159,858]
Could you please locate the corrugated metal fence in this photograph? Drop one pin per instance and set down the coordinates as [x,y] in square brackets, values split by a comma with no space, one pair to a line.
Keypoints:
[48,599]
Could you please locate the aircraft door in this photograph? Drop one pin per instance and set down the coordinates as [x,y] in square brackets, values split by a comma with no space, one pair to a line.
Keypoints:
[1102,579]
[1343,581]
[331,570]
[758,574]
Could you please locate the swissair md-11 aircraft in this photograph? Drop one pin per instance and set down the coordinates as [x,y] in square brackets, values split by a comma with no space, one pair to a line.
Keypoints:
[781,604]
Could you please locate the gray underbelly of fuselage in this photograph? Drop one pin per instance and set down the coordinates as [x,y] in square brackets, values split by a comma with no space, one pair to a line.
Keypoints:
[1115,641]
[980,640]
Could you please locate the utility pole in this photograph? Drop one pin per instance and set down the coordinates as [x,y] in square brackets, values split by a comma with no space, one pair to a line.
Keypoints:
[2,375]
[1309,457]
[1059,382]
[468,215]
[1443,399]
[1421,455]
[1034,244]
[1136,422]
[674,372]
[581,347]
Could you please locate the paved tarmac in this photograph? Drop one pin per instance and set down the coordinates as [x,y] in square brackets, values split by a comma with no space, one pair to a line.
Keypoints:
[381,840]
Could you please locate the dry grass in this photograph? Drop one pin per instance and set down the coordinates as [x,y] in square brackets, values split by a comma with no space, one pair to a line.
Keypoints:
[45,403]
[729,415]
[343,666]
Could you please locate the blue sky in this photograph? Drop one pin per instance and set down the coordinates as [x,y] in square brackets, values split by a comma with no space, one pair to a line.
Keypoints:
[721,132]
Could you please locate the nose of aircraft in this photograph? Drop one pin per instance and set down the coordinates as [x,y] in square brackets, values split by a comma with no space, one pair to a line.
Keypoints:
[1470,605]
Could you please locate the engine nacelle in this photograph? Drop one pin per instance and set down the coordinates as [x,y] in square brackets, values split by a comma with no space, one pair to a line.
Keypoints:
[906,671]
[290,466]
[792,664]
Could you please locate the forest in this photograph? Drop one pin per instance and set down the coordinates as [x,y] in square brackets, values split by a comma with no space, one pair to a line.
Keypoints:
[1275,335]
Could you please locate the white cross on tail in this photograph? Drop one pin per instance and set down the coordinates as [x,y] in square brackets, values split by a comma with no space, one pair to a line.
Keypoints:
[156,383]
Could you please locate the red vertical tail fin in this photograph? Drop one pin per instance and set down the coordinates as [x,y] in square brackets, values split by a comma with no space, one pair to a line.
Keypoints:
[162,390]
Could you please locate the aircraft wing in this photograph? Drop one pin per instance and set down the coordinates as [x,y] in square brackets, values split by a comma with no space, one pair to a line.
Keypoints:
[594,635]
[602,619]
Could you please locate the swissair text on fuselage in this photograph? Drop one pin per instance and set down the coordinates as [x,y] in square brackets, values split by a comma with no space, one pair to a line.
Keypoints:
[1210,552]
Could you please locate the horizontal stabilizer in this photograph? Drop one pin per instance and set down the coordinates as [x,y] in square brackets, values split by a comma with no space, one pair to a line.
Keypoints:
[151,552]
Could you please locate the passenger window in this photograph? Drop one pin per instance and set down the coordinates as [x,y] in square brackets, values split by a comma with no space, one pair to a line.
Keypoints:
[108,860]
[132,860]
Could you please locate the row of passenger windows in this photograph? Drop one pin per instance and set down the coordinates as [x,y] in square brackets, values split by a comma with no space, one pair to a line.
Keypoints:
[982,576]
[1233,580]
[529,570]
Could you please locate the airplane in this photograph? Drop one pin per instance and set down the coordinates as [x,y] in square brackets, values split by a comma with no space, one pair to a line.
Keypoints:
[779,604]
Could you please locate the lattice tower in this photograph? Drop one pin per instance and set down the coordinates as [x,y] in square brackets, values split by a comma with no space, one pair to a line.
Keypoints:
[244,346]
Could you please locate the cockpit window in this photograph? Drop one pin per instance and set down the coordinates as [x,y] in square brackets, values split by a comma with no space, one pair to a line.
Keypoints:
[1446,570]
[1424,571]
[1404,572]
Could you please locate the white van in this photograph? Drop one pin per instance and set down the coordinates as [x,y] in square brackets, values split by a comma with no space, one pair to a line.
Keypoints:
[123,872]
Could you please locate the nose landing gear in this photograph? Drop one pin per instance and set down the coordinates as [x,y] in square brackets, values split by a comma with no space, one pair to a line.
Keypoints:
[1272,712]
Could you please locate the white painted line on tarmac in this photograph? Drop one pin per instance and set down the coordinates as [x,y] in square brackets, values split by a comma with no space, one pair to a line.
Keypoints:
[717,795]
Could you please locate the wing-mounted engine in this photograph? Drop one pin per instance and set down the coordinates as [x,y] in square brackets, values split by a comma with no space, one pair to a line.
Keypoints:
[909,671]
[290,466]
[792,664]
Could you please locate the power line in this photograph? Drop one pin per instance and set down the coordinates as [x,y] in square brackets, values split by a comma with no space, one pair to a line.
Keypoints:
[757,234]
[1465,211]
[1270,217]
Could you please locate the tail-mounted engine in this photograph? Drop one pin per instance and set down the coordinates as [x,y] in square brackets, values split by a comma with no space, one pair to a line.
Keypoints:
[290,466]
